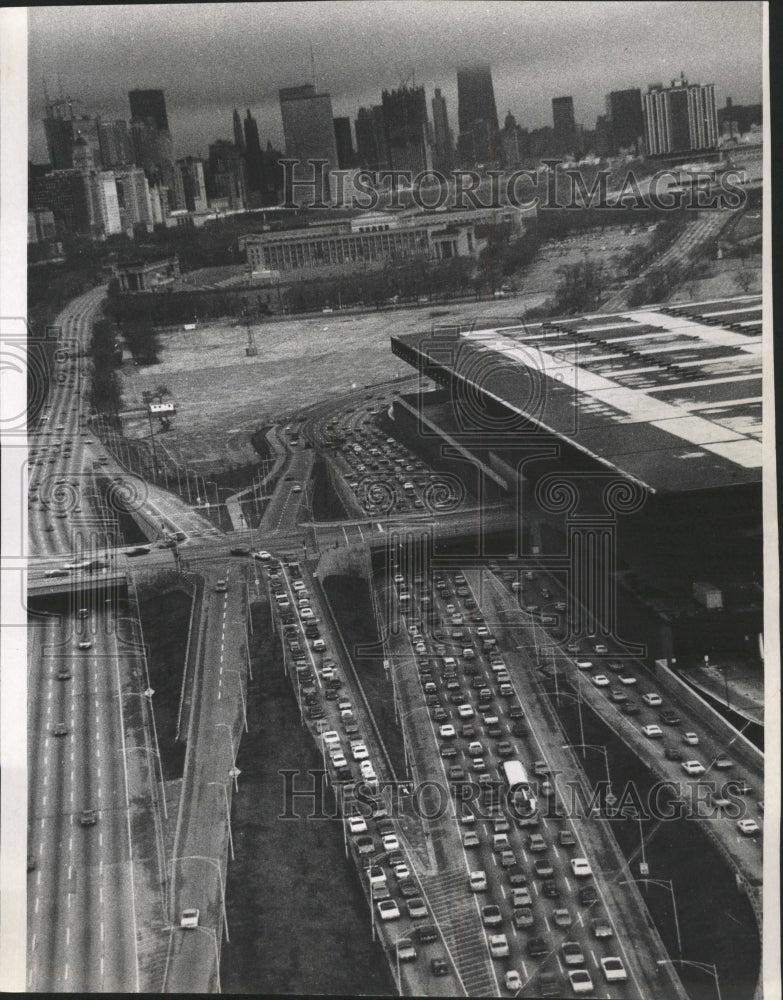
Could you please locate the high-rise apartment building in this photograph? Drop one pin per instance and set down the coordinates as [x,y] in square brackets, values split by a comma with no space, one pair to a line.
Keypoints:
[477,116]
[624,110]
[371,138]
[64,194]
[146,104]
[115,144]
[681,118]
[133,198]
[407,129]
[443,146]
[308,128]
[565,134]
[227,176]
[193,184]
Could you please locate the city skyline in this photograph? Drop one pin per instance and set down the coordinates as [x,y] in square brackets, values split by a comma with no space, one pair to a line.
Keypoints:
[200,106]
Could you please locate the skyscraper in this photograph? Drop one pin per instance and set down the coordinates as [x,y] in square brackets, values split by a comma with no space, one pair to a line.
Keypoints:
[193,184]
[477,115]
[680,118]
[624,109]
[564,125]
[308,127]
[115,143]
[254,157]
[407,129]
[149,104]
[239,135]
[443,152]
[227,175]
[371,138]
[346,157]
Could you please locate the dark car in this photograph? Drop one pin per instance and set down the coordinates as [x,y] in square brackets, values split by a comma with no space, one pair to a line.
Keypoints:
[669,717]
[537,946]
[516,711]
[516,878]
[672,753]
[426,933]
[240,550]
[408,888]
[630,708]
[439,966]
[588,895]
[519,728]
[550,889]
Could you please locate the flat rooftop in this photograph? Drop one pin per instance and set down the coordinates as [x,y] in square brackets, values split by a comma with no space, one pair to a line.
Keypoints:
[670,397]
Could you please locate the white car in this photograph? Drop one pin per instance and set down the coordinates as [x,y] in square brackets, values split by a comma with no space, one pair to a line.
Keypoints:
[512,981]
[580,981]
[601,648]
[388,910]
[747,826]
[498,945]
[478,881]
[601,681]
[401,871]
[331,738]
[614,970]
[626,679]
[368,771]
[580,867]
[338,757]
[189,918]
[584,664]
[652,699]
[465,712]
[390,842]
[652,731]
[376,875]
[447,732]
[359,752]
[85,644]
[693,767]
[691,739]
[263,555]
[421,649]
[356,824]
[306,614]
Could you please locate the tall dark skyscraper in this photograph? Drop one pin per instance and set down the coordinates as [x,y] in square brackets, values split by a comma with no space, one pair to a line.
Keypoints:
[564,124]
[371,139]
[624,109]
[146,104]
[477,115]
[253,155]
[342,135]
[407,129]
[308,127]
[443,153]
[239,135]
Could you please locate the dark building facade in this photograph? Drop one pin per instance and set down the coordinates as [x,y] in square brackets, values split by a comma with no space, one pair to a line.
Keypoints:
[564,136]
[226,174]
[346,157]
[738,118]
[371,139]
[624,108]
[443,151]
[477,115]
[681,118]
[146,104]
[115,144]
[253,154]
[64,194]
[407,129]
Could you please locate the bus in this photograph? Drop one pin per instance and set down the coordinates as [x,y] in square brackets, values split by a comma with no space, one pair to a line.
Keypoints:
[521,798]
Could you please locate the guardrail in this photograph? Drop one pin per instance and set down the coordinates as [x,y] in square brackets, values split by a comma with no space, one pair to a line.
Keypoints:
[196,604]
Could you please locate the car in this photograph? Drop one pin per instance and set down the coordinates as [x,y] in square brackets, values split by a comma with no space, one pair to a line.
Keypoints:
[580,981]
[263,555]
[672,753]
[627,679]
[537,946]
[189,917]
[669,717]
[439,966]
[580,867]
[491,915]
[408,888]
[512,981]
[584,664]
[470,839]
[630,708]
[566,838]
[693,767]
[723,762]
[331,738]
[508,859]
[536,842]
[405,949]
[548,985]
[601,680]
[498,945]
[572,953]
[601,648]
[365,845]
[500,825]
[588,895]
[88,817]
[618,695]
[652,699]
[357,824]
[613,969]
[359,751]
[747,826]
[500,842]
[390,842]
[516,878]
[652,731]
[447,732]
[388,910]
[417,908]
[477,881]
[60,729]
[691,739]
[601,927]
[523,917]
[31,862]
[63,674]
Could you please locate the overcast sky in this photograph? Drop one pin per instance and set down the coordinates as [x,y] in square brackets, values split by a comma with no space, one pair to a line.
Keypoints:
[210,58]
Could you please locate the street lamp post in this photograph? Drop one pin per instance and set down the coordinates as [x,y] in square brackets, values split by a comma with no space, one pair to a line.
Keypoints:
[600,749]
[704,966]
[663,883]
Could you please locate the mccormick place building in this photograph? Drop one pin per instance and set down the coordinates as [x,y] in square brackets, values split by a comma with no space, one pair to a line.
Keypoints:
[631,445]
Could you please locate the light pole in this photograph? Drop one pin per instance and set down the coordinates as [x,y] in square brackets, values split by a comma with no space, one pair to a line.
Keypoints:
[663,883]
[228,814]
[704,966]
[600,749]
[241,694]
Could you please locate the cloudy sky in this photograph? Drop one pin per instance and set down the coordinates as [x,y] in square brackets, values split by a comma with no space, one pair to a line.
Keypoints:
[210,58]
